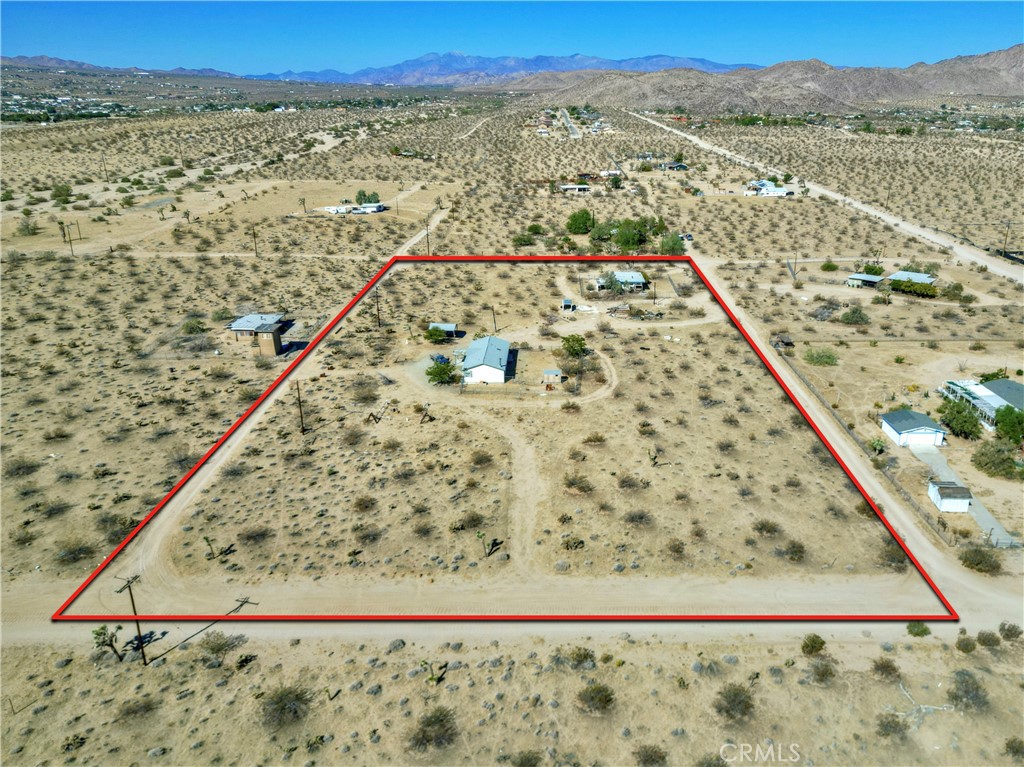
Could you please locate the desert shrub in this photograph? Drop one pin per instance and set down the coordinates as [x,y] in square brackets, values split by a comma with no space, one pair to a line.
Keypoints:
[526,759]
[217,644]
[890,725]
[132,709]
[650,756]
[481,458]
[596,697]
[966,644]
[823,671]
[794,551]
[821,357]
[918,629]
[20,466]
[767,528]
[1014,748]
[235,470]
[423,529]
[812,644]
[892,556]
[364,390]
[580,655]
[676,547]
[711,760]
[193,327]
[854,316]
[1009,631]
[352,436]
[989,639]
[286,705]
[255,535]
[368,535]
[579,483]
[364,503]
[594,438]
[982,560]
[638,519]
[734,702]
[966,692]
[71,550]
[995,458]
[115,527]
[436,728]
[886,668]
[629,482]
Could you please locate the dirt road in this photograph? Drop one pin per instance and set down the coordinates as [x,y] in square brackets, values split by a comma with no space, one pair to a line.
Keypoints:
[975,255]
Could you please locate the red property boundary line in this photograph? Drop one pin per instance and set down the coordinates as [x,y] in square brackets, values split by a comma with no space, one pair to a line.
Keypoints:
[60,614]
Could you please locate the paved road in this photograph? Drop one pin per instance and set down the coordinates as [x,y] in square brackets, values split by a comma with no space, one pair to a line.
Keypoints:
[932,456]
[968,253]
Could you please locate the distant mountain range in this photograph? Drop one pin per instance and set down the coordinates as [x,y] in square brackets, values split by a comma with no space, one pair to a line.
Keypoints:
[792,86]
[650,82]
[48,62]
[458,69]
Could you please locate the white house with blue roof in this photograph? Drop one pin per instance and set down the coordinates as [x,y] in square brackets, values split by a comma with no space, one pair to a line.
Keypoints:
[486,361]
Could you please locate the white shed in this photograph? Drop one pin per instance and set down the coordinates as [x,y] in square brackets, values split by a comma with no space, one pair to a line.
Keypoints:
[906,427]
[486,361]
[949,496]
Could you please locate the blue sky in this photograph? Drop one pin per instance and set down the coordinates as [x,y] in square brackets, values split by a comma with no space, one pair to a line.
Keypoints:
[257,37]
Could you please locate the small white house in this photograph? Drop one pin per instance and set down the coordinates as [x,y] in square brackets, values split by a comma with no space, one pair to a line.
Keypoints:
[906,427]
[486,361]
[949,496]
[764,188]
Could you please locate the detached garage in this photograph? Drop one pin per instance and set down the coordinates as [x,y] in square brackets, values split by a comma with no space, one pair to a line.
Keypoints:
[906,427]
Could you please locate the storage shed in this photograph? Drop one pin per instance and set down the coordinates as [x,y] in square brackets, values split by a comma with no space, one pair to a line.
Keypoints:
[949,496]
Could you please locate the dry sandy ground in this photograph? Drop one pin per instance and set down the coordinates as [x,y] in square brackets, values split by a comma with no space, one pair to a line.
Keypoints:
[484,182]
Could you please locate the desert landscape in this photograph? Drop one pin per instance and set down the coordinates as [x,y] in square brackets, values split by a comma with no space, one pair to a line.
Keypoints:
[697,457]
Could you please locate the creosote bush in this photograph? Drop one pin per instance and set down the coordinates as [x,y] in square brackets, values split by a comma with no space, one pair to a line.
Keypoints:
[812,644]
[286,705]
[734,702]
[967,692]
[596,697]
[891,726]
[437,728]
[886,668]
[650,756]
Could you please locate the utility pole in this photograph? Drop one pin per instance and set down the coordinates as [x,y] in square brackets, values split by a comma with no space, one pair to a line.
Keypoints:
[428,234]
[138,629]
[255,249]
[302,420]
[103,159]
[494,319]
[376,296]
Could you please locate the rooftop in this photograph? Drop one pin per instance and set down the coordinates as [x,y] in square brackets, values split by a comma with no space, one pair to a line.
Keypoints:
[1010,392]
[951,490]
[866,277]
[489,350]
[909,420]
[447,327]
[254,321]
[924,279]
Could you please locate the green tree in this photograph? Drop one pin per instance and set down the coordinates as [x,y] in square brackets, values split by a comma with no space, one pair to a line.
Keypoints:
[630,236]
[580,222]
[960,419]
[874,269]
[61,193]
[523,240]
[672,245]
[436,335]
[1010,424]
[442,373]
[366,198]
[611,284]
[615,182]
[574,346]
